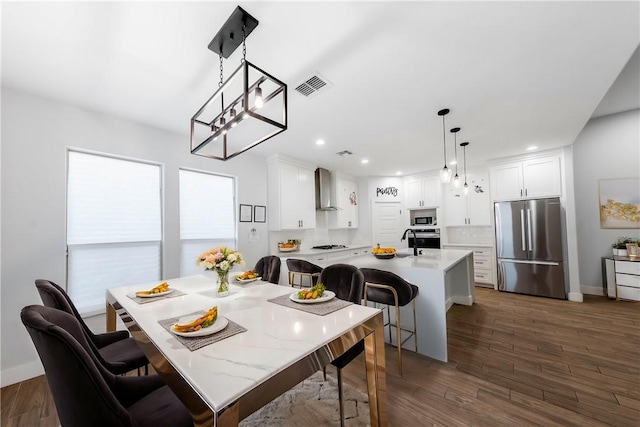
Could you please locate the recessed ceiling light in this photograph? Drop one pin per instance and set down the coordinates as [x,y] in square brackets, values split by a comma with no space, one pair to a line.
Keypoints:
[532,147]
[399,173]
[364,161]
[320,142]
[453,162]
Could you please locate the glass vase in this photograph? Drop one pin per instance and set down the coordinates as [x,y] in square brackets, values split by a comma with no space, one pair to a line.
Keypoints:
[223,283]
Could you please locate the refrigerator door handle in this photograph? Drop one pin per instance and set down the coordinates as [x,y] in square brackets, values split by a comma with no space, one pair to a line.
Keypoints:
[524,240]
[529,230]
[500,276]
[524,261]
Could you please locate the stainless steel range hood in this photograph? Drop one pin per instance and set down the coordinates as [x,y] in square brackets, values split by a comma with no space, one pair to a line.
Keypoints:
[323,190]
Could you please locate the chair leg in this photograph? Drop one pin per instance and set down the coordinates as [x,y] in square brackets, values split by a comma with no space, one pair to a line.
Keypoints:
[399,338]
[324,372]
[146,369]
[415,326]
[340,397]
[389,319]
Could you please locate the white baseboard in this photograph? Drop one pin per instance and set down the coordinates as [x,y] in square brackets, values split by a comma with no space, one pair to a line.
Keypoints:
[21,373]
[575,296]
[592,290]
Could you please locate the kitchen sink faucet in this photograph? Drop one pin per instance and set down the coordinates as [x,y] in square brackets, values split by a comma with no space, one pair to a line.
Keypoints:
[415,240]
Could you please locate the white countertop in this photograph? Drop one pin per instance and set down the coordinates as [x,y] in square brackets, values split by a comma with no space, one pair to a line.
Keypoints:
[311,252]
[276,336]
[433,259]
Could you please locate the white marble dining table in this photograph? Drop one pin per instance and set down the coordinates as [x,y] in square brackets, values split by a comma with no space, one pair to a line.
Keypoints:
[225,381]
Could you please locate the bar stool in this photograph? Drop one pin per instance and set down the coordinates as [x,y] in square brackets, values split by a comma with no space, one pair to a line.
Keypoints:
[387,288]
[299,269]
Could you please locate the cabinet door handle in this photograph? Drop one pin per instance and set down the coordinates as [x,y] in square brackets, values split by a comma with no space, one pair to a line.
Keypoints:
[521,192]
[525,192]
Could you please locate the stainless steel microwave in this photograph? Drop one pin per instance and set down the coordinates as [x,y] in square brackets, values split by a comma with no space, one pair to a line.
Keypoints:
[423,220]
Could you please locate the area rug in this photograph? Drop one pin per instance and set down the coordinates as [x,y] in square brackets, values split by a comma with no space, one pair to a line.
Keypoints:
[313,402]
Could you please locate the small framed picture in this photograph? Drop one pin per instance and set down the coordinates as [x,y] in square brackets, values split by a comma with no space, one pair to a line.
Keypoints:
[633,250]
[260,213]
[245,213]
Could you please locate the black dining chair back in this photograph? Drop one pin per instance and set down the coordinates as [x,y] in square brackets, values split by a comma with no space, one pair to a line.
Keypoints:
[85,392]
[268,268]
[119,352]
[301,268]
[347,282]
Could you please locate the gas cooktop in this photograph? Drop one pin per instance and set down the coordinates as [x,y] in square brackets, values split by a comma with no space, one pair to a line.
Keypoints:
[329,247]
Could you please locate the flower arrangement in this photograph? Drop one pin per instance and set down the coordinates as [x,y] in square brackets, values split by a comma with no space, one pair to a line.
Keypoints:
[221,260]
[621,243]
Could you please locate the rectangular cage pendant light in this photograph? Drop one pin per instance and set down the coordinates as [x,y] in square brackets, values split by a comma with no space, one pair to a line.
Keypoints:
[249,108]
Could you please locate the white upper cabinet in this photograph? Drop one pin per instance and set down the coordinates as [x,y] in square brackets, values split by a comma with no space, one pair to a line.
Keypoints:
[471,209]
[345,192]
[527,179]
[422,193]
[292,203]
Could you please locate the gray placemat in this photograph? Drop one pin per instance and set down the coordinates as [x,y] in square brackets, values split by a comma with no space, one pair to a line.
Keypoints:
[198,342]
[175,293]
[321,308]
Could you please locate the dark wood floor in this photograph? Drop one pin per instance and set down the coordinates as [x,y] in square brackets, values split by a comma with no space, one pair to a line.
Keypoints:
[514,361]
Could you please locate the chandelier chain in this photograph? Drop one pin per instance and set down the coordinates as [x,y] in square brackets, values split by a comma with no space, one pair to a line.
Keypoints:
[221,76]
[244,46]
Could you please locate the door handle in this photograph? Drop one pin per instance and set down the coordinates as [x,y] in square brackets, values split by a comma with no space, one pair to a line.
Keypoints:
[529,229]
[524,238]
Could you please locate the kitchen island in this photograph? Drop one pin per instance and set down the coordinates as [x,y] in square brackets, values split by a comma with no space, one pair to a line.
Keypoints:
[445,277]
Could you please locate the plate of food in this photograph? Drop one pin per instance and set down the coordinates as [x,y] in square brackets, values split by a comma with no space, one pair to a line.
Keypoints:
[157,291]
[289,246]
[247,276]
[200,325]
[313,295]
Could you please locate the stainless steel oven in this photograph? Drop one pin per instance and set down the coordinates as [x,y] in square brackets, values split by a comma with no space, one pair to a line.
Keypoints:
[425,238]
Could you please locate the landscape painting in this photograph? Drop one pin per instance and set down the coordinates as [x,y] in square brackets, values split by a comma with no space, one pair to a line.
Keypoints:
[619,203]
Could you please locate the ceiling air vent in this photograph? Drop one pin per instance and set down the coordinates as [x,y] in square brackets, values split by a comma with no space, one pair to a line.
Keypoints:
[344,153]
[313,85]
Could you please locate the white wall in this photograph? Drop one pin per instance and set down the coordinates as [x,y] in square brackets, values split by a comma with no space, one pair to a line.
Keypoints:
[608,147]
[35,135]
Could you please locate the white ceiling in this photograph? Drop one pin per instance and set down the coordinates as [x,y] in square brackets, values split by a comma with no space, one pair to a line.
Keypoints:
[513,74]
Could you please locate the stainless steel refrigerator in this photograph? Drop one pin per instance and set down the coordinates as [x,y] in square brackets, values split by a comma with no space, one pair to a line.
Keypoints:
[529,247]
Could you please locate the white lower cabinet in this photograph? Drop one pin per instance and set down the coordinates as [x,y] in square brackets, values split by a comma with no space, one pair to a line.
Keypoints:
[483,262]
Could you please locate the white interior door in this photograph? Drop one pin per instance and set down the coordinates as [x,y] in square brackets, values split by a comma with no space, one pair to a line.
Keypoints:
[387,224]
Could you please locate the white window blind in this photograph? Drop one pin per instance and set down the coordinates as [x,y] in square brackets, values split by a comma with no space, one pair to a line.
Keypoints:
[114,226]
[207,215]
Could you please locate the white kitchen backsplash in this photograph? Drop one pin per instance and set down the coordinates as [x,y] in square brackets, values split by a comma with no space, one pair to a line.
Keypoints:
[478,235]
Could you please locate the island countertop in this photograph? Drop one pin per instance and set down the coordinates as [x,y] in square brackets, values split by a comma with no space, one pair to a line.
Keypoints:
[434,259]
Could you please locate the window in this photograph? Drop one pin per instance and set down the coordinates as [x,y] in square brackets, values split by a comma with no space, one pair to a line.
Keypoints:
[207,215]
[114,226]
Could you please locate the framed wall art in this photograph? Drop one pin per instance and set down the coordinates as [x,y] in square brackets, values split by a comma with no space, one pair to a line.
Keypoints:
[260,213]
[246,213]
[619,201]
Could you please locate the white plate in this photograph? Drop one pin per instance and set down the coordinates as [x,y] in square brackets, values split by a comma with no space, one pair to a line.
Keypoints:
[287,249]
[326,296]
[220,324]
[159,294]
[248,280]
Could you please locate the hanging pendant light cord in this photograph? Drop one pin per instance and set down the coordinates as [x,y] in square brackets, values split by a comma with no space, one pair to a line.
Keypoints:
[455,148]
[444,140]
[221,76]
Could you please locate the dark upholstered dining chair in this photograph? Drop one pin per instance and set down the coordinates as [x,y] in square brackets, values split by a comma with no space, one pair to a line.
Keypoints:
[387,288]
[268,268]
[347,282]
[84,391]
[119,352]
[301,268]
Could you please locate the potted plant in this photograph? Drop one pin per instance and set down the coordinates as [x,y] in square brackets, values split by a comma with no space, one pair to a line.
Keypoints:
[620,245]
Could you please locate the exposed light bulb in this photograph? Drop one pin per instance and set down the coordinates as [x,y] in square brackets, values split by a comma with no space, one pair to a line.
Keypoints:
[258,100]
[232,115]
[456,181]
[223,121]
[445,175]
[465,189]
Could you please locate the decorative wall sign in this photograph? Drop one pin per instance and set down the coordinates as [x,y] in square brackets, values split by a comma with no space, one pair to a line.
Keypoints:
[260,213]
[387,191]
[245,213]
[619,203]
